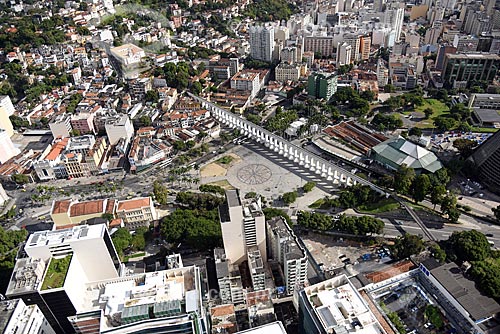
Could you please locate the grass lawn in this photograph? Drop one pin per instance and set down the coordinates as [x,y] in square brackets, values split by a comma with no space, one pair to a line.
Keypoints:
[484,130]
[223,184]
[225,160]
[56,273]
[438,108]
[384,205]
[317,204]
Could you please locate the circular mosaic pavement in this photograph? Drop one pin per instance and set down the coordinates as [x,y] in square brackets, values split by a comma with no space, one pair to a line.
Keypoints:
[254,174]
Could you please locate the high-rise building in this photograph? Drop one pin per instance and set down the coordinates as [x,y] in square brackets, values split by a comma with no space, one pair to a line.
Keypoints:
[465,43]
[243,226]
[323,45]
[467,67]
[322,85]
[167,301]
[343,54]
[261,42]
[18,318]
[289,55]
[7,148]
[228,279]
[354,41]
[365,44]
[287,72]
[335,306]
[442,51]
[395,16]
[256,268]
[486,159]
[284,247]
[60,263]
[5,122]
[6,103]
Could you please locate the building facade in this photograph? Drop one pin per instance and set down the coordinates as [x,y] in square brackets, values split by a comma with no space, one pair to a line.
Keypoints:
[322,85]
[136,212]
[459,69]
[261,42]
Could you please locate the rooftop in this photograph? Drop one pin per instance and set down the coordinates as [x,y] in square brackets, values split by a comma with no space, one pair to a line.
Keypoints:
[26,276]
[400,151]
[87,208]
[46,238]
[339,307]
[272,328]
[134,204]
[170,292]
[463,290]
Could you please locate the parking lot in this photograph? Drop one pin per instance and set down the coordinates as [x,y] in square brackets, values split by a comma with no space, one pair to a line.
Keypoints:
[333,252]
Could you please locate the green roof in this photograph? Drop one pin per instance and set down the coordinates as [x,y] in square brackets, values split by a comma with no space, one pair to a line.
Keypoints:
[56,272]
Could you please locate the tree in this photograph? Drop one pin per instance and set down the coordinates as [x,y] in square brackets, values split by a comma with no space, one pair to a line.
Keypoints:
[415,132]
[464,146]
[289,197]
[437,193]
[434,316]
[108,216]
[367,95]
[428,112]
[20,178]
[444,123]
[309,186]
[270,213]
[403,179]
[196,87]
[487,276]
[160,192]
[449,207]
[469,245]
[421,186]
[152,96]
[438,253]
[389,88]
[407,245]
[496,212]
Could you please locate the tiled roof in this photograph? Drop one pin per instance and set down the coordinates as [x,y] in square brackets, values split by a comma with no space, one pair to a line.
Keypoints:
[61,206]
[87,208]
[133,204]
[222,310]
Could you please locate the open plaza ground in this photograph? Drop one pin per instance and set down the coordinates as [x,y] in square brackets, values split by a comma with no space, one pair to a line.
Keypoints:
[250,171]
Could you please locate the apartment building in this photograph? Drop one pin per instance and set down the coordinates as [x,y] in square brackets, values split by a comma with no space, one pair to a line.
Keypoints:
[246,81]
[71,212]
[285,248]
[287,72]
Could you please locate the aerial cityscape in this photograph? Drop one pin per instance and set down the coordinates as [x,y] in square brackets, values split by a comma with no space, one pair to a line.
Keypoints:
[254,166]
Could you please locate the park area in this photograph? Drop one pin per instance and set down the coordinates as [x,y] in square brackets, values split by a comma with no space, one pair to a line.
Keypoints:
[418,115]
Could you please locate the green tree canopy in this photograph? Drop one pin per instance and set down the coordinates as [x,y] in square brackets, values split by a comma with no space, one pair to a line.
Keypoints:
[403,179]
[469,245]
[407,245]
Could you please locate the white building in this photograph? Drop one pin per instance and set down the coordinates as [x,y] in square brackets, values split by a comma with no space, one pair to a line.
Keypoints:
[128,54]
[90,243]
[354,41]
[246,81]
[119,127]
[18,318]
[7,148]
[6,103]
[335,306]
[343,54]
[261,42]
[3,195]
[289,55]
[61,126]
[284,247]
[243,226]
[272,328]
[287,72]
[58,266]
